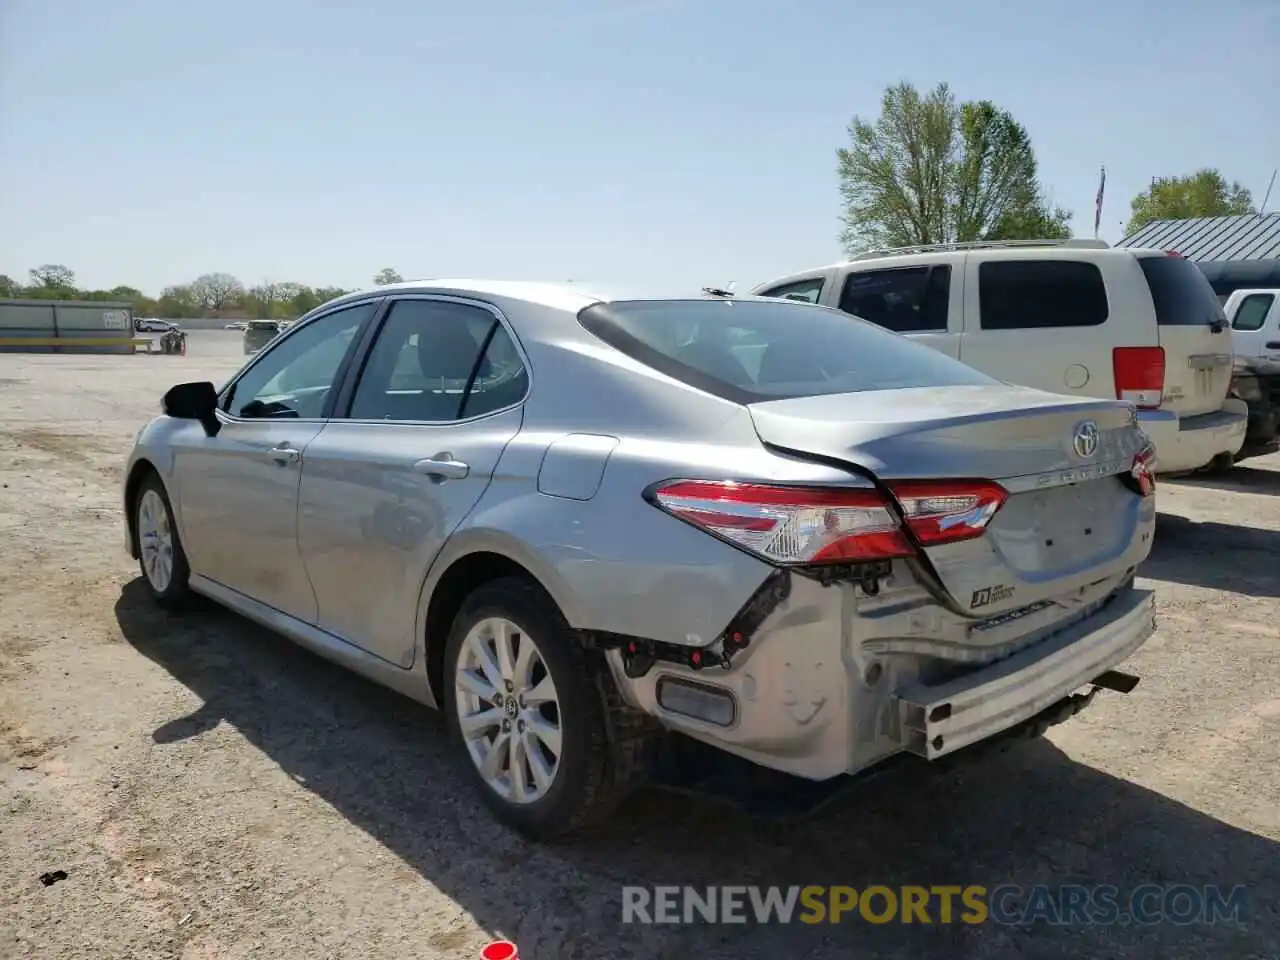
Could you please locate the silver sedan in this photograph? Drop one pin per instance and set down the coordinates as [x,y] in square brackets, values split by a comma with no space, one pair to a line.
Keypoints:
[578,522]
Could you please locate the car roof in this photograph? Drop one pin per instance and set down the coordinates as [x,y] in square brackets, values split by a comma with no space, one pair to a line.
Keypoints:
[571,296]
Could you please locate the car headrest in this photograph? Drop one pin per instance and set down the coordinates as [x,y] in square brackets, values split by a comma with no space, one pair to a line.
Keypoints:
[447,349]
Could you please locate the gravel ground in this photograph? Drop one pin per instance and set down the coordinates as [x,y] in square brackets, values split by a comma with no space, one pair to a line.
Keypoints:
[212,791]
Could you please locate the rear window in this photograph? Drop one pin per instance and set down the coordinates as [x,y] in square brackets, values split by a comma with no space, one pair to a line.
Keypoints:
[1252,312]
[263,325]
[754,350]
[1034,294]
[1180,292]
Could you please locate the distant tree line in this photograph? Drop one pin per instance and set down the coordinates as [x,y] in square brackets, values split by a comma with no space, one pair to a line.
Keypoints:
[208,295]
[930,169]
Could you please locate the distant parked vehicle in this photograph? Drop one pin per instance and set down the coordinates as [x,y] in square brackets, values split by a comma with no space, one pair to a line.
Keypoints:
[1255,335]
[575,523]
[258,333]
[237,325]
[1073,316]
[153,326]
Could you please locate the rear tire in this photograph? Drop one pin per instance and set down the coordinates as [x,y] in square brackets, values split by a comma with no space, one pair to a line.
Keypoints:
[161,558]
[539,727]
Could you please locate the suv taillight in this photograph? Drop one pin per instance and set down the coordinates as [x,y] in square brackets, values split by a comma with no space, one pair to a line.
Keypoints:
[1139,375]
[814,525]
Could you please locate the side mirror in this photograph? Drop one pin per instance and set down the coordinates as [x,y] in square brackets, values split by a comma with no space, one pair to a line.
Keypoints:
[194,401]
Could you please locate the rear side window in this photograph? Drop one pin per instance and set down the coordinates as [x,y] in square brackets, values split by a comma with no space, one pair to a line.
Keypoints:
[1035,294]
[806,291]
[906,300]
[1252,312]
[437,361]
[747,351]
[1180,292]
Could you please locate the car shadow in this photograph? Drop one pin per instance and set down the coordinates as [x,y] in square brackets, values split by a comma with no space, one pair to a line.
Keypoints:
[1236,480]
[1196,553]
[1024,815]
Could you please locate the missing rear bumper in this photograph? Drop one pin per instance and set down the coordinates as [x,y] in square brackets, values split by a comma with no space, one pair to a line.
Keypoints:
[1032,685]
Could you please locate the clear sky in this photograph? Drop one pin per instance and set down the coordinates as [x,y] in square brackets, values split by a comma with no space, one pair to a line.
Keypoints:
[680,142]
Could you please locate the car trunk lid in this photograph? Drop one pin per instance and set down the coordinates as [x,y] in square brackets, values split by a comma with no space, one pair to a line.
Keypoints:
[1070,519]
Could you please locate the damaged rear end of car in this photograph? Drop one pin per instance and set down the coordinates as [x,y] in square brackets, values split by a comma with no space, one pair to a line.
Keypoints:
[972,575]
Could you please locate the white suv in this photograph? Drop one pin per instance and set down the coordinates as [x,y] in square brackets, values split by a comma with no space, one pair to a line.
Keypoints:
[1073,316]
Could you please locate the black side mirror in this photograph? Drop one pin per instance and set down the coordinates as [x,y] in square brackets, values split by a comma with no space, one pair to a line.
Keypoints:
[194,401]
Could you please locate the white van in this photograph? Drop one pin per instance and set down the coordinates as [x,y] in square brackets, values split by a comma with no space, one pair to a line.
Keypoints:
[1073,316]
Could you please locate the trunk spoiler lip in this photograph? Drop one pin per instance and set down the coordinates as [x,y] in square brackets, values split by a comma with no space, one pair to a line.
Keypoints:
[1026,396]
[879,429]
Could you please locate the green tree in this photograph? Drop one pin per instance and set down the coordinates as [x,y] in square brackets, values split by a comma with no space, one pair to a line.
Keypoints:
[178,302]
[1201,194]
[9,287]
[386,275]
[216,292]
[931,170]
[53,276]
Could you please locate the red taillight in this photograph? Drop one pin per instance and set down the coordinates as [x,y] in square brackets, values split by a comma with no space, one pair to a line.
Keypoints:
[1139,375]
[1143,471]
[1173,253]
[803,525]
[944,511]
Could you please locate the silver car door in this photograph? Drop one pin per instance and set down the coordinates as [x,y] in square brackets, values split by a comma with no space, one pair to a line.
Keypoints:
[238,491]
[385,485]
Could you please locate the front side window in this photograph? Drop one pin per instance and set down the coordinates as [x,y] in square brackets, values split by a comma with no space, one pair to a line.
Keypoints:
[437,361]
[805,291]
[756,350]
[1034,294]
[1252,312]
[295,377]
[904,300]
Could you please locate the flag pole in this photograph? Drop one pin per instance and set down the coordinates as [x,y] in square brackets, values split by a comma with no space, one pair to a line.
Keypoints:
[1097,203]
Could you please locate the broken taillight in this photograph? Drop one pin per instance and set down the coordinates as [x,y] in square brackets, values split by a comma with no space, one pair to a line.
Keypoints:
[815,525]
[1143,471]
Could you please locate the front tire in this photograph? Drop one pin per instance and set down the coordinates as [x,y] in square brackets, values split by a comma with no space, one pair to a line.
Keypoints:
[531,712]
[161,558]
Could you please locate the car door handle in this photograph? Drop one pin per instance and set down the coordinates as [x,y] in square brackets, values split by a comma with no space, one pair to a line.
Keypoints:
[1273,344]
[442,467]
[284,454]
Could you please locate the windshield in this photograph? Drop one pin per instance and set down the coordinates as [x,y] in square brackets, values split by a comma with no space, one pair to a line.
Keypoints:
[755,350]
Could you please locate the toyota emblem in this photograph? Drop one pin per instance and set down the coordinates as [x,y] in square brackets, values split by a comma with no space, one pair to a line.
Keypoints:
[1085,439]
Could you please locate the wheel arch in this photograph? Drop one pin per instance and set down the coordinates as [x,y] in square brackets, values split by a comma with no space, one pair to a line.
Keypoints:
[138,472]
[468,561]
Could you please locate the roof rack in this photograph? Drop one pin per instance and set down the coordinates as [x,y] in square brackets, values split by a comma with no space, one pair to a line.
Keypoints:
[979,245]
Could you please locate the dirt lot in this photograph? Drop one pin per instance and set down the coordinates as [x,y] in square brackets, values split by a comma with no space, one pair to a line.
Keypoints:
[214,792]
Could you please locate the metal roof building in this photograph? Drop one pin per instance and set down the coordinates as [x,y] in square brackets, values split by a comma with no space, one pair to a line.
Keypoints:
[1232,252]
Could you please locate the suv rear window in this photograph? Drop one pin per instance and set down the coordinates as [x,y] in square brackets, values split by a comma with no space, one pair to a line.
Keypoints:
[748,351]
[1033,294]
[1180,292]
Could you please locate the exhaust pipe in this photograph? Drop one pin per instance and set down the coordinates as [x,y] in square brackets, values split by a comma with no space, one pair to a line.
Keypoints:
[1115,680]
